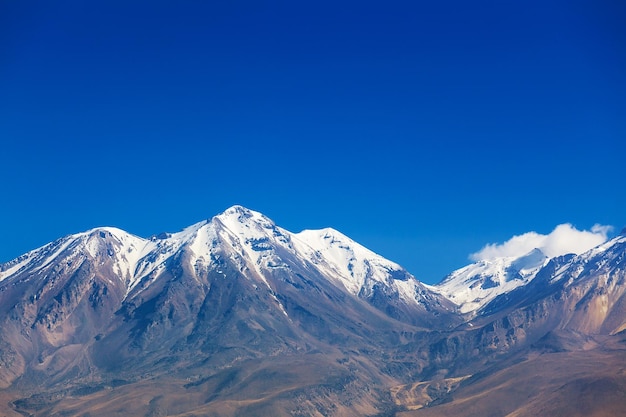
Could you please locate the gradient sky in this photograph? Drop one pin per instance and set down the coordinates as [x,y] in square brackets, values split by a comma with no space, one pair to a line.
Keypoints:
[423,130]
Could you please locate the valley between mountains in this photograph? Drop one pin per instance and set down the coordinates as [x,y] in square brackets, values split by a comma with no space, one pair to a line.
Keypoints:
[235,316]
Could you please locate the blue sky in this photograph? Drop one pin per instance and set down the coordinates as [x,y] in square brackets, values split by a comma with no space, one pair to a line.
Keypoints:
[423,130]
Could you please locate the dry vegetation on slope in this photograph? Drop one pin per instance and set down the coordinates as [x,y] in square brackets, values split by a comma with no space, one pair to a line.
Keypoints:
[585,383]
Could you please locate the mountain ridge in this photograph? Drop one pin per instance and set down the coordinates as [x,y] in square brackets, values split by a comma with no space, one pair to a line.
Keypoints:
[241,317]
[250,231]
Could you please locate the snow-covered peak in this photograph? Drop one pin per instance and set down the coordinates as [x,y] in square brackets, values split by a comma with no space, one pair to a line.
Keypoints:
[124,241]
[609,255]
[475,285]
[528,264]
[245,223]
[606,246]
[253,243]
[247,237]
[346,261]
[240,214]
[120,247]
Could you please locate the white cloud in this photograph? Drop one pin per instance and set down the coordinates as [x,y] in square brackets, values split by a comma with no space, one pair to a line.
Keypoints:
[564,239]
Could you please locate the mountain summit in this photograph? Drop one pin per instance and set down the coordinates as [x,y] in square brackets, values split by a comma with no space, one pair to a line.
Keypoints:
[237,316]
[474,286]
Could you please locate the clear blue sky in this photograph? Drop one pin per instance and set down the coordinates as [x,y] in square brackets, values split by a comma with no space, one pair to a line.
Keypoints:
[421,129]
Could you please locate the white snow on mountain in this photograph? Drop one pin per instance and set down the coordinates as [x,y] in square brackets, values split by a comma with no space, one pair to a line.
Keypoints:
[475,285]
[256,245]
[252,235]
[247,237]
[344,260]
[611,253]
[35,259]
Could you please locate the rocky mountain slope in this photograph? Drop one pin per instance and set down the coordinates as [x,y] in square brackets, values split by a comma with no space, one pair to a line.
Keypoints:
[558,342]
[237,316]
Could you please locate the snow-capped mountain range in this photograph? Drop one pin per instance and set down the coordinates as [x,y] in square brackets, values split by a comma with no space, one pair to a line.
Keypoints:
[247,238]
[236,313]
[474,286]
[256,244]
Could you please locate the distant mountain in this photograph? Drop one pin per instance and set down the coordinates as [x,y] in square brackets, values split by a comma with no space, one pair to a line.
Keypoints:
[237,316]
[474,286]
[555,346]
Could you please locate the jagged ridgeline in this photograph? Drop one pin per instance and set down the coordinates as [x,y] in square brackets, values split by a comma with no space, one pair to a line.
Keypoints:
[237,316]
